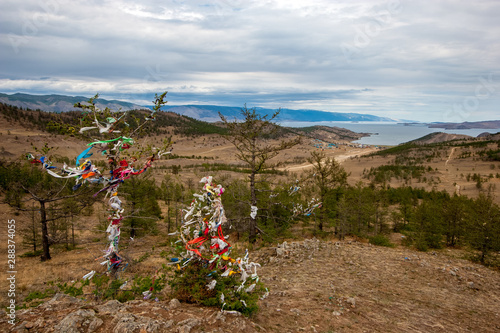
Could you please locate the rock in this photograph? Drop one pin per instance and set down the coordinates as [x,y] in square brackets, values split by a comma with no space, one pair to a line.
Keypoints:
[128,322]
[453,273]
[94,325]
[336,313]
[470,285]
[74,322]
[62,298]
[20,328]
[174,303]
[29,325]
[125,323]
[296,311]
[187,325]
[110,307]
[351,301]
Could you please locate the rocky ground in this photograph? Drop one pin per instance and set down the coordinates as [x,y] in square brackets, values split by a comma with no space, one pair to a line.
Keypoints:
[315,286]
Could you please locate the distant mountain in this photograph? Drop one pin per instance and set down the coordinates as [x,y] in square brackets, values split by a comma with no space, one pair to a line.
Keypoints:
[490,124]
[61,103]
[210,113]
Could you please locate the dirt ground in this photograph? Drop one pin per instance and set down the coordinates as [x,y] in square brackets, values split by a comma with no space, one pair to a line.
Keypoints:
[315,286]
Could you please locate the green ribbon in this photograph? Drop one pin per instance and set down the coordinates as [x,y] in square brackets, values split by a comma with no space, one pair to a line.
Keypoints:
[125,140]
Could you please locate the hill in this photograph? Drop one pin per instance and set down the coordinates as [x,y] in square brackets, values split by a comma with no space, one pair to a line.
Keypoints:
[211,113]
[61,103]
[491,124]
[440,137]
[165,123]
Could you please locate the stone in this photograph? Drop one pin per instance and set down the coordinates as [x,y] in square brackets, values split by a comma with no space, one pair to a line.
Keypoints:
[174,303]
[187,325]
[29,325]
[110,307]
[75,320]
[125,323]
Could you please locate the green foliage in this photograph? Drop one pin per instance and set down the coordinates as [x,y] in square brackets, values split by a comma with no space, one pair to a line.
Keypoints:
[384,173]
[328,178]
[250,138]
[142,204]
[105,287]
[190,285]
[75,289]
[381,240]
[34,295]
[483,227]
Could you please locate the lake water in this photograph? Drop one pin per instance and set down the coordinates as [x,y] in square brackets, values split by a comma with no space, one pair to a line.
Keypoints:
[388,133]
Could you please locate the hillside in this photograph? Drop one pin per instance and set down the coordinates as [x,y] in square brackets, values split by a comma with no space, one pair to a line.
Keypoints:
[210,113]
[165,123]
[468,125]
[315,286]
[440,137]
[61,103]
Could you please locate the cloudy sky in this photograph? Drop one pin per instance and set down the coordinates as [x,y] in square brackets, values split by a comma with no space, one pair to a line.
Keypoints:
[421,60]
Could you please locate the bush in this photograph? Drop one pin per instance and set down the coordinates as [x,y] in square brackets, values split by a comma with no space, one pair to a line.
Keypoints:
[381,240]
[190,285]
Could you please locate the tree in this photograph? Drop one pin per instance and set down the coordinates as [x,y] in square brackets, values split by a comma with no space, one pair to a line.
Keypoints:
[428,224]
[455,213]
[29,183]
[142,206]
[328,177]
[252,139]
[173,193]
[483,227]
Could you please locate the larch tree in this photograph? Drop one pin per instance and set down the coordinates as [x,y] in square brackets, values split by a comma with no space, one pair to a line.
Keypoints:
[27,183]
[257,141]
[326,175]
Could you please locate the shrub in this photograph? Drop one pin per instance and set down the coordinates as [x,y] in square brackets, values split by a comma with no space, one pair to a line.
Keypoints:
[189,285]
[381,240]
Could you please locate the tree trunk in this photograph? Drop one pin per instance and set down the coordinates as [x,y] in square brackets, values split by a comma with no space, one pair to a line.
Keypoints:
[66,227]
[45,232]
[132,220]
[252,232]
[34,228]
[73,231]
[176,217]
[322,211]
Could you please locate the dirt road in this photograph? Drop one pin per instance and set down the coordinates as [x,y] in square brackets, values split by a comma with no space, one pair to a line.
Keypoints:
[339,158]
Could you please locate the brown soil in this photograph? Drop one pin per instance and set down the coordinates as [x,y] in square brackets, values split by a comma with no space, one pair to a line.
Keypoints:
[315,286]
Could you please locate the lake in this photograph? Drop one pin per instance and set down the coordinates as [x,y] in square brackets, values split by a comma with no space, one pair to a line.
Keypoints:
[385,133]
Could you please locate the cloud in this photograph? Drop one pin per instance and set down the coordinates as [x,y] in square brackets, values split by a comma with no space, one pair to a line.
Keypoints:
[387,58]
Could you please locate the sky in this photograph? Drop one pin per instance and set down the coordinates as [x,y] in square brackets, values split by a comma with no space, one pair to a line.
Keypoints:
[415,60]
